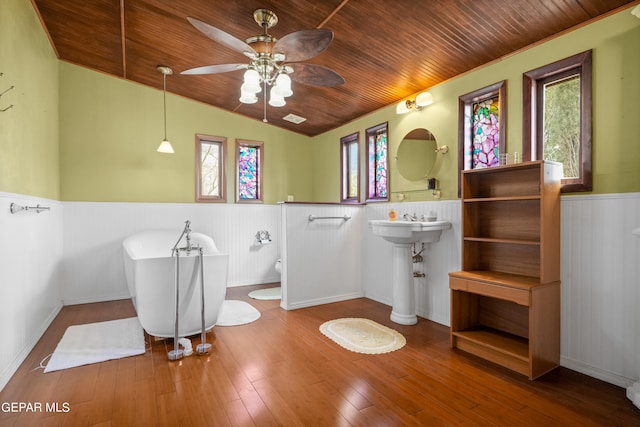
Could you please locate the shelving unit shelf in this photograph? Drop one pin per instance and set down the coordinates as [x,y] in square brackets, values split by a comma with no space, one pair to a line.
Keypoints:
[505,303]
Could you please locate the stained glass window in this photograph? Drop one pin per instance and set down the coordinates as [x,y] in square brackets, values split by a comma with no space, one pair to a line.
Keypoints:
[210,184]
[377,163]
[481,127]
[350,170]
[249,167]
[486,133]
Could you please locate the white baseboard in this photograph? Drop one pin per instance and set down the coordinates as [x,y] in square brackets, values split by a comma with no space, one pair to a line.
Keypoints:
[321,301]
[93,299]
[262,281]
[595,372]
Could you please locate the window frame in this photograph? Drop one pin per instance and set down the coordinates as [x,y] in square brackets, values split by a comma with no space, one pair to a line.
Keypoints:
[222,184]
[465,122]
[259,190]
[345,161]
[371,133]
[532,121]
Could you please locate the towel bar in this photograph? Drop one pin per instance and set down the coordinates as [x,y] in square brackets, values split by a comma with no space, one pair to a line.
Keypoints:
[344,218]
[17,208]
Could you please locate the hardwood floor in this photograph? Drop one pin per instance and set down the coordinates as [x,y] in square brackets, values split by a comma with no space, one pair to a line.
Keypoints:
[280,370]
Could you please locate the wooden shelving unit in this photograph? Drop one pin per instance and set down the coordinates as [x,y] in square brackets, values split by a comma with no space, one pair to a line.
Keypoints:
[505,303]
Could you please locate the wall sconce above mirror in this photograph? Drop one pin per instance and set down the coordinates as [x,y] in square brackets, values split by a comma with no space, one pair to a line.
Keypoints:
[422,100]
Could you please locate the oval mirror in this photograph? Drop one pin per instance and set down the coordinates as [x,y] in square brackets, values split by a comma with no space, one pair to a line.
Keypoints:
[416,154]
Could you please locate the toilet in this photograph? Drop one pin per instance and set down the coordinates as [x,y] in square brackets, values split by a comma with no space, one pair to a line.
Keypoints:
[279,266]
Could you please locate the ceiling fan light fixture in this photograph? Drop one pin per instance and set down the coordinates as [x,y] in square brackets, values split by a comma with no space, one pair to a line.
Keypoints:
[250,88]
[283,85]
[275,100]
[251,82]
[248,97]
[267,67]
[251,76]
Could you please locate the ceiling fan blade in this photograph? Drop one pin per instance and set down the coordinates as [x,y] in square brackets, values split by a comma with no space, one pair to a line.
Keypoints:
[304,44]
[316,75]
[214,69]
[220,36]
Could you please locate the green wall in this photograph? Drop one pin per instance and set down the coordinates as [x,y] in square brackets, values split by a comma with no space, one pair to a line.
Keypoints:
[75,134]
[28,131]
[615,41]
[110,129]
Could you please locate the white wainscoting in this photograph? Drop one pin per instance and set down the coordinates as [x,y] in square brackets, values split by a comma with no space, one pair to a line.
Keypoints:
[73,253]
[431,291]
[601,286]
[92,268]
[30,254]
[600,261]
[321,259]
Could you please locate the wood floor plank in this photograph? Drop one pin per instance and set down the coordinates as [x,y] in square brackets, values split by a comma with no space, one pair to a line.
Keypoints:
[260,413]
[281,371]
[281,409]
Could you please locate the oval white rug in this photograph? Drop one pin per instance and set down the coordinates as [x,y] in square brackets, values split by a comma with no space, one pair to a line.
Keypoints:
[234,313]
[363,335]
[266,294]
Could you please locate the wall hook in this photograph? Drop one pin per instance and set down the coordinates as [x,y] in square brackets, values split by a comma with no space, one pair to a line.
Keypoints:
[10,106]
[6,91]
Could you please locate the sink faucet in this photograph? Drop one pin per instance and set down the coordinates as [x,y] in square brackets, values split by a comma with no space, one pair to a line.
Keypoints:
[410,217]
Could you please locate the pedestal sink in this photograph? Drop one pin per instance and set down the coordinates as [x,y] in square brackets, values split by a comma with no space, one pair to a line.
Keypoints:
[403,234]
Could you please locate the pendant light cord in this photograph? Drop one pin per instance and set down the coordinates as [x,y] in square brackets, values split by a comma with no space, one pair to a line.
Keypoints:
[164,99]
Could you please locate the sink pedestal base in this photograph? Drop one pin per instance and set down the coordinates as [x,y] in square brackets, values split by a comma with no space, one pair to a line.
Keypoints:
[403,234]
[404,304]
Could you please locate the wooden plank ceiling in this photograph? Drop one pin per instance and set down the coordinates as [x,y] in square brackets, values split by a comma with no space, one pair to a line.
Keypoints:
[386,51]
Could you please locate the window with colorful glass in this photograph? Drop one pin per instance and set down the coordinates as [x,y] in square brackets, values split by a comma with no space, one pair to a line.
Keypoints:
[378,162]
[482,116]
[350,170]
[485,150]
[481,120]
[249,164]
[210,168]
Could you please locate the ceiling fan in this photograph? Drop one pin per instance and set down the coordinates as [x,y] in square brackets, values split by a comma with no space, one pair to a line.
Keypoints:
[272,62]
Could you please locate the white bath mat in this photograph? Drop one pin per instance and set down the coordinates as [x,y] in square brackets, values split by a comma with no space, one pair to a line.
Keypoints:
[97,342]
[266,294]
[363,335]
[233,313]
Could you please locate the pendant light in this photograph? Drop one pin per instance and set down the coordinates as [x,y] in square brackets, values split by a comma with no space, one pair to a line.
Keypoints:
[165,145]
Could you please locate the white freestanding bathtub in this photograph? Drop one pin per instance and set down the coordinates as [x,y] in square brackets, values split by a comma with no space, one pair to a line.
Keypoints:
[150,272]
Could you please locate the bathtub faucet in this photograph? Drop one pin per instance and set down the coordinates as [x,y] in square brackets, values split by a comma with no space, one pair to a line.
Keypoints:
[185,232]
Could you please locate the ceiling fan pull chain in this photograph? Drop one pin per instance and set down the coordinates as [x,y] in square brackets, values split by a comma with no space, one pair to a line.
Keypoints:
[264,102]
